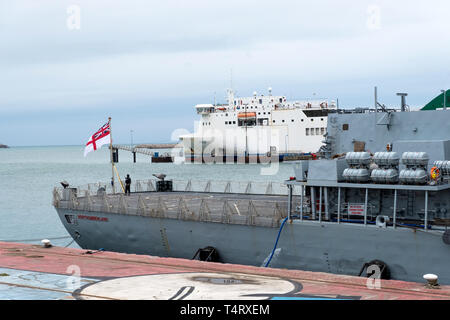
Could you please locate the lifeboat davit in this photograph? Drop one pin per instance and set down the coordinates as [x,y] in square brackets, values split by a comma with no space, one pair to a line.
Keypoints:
[246,115]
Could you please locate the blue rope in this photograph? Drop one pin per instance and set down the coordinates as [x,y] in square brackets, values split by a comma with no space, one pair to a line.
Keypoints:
[276,242]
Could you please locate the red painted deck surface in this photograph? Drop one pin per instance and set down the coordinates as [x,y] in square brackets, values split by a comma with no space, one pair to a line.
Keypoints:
[109,264]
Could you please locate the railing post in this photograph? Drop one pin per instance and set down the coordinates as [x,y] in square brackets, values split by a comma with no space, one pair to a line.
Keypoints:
[365,206]
[394,222]
[248,188]
[313,203]
[426,211]
[301,202]
[289,201]
[208,186]
[150,186]
[269,188]
[339,205]
[228,187]
[320,204]
[188,186]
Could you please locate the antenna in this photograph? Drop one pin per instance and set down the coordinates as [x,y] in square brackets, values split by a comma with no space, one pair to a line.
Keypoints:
[231,78]
[403,101]
[376,99]
[444,92]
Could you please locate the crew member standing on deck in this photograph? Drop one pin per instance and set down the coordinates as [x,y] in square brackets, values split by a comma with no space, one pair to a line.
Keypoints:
[127,184]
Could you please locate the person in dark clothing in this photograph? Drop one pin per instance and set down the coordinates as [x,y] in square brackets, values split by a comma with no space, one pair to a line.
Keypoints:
[127,184]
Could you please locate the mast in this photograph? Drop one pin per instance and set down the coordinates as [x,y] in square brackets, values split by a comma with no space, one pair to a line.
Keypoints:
[111,154]
[246,143]
[376,100]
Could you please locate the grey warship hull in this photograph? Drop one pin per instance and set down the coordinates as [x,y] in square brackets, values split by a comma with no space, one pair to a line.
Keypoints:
[325,247]
[153,223]
[335,225]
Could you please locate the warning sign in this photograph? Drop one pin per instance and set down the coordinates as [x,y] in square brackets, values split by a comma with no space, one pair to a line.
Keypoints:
[356,209]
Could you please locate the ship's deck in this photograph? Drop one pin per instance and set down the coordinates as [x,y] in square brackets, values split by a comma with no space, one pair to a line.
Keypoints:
[38,273]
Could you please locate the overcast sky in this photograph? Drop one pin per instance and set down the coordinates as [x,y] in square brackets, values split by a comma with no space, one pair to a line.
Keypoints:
[147,63]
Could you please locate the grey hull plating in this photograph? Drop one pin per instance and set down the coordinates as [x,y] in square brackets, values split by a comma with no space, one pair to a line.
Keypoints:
[305,245]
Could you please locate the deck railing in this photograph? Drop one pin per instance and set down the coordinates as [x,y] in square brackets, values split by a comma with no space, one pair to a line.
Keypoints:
[259,211]
[213,186]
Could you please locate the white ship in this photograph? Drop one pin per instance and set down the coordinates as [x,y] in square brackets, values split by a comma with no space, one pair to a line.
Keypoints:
[258,126]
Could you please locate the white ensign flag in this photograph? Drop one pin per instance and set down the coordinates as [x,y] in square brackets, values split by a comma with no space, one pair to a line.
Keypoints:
[98,139]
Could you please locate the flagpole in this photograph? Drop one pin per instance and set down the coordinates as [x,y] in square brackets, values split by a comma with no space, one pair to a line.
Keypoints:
[111,153]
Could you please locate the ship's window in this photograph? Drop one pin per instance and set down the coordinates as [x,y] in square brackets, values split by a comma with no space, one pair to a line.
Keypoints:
[292,120]
[260,101]
[281,100]
[302,120]
[307,131]
[317,131]
[226,114]
[322,130]
[238,108]
[226,122]
[312,119]
[321,119]
[283,121]
[268,112]
[312,131]
[259,113]
[247,122]
[345,126]
[273,121]
[264,113]
[234,122]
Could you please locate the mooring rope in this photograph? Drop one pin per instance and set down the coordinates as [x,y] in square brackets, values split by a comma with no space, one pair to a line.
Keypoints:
[31,240]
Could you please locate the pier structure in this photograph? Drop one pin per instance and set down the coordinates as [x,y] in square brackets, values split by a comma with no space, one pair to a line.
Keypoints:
[145,149]
[35,272]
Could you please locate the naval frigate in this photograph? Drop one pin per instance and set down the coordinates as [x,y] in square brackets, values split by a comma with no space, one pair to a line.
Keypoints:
[379,196]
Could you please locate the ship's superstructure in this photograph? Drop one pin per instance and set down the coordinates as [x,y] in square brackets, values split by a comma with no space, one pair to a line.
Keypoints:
[258,125]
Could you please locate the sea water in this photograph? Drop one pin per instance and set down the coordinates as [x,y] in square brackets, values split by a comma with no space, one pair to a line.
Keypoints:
[29,174]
